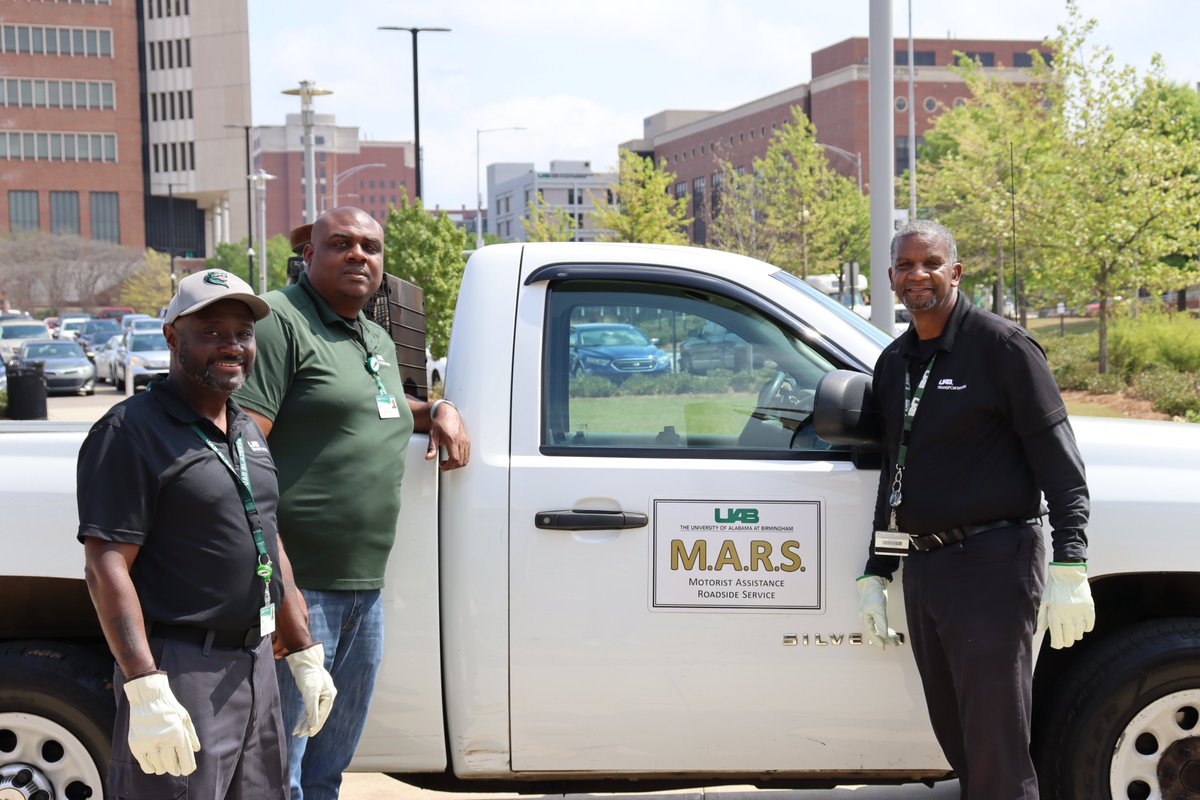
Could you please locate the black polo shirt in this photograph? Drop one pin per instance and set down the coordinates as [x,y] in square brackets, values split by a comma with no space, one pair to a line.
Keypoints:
[990,436]
[146,478]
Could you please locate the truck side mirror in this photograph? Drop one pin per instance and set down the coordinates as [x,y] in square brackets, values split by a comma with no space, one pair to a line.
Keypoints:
[844,410]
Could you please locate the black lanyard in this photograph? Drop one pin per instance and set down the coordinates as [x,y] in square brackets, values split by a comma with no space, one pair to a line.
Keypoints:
[241,478]
[912,403]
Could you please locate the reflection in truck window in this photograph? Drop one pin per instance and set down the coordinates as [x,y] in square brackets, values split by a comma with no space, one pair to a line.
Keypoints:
[657,367]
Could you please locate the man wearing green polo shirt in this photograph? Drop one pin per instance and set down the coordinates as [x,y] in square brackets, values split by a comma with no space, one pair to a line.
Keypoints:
[327,393]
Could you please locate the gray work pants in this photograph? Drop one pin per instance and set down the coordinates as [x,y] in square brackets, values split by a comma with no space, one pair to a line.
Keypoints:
[233,699]
[972,609]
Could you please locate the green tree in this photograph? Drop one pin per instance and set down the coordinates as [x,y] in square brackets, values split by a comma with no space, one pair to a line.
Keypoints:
[231,257]
[643,210]
[427,249]
[546,223]
[793,210]
[148,289]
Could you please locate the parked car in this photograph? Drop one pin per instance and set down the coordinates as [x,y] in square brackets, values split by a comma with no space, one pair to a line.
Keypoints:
[14,332]
[615,351]
[65,366]
[95,331]
[105,358]
[52,324]
[144,324]
[13,314]
[713,346]
[128,320]
[114,312]
[70,327]
[142,357]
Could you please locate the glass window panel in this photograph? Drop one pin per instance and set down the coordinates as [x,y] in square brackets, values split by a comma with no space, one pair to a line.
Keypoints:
[93,45]
[69,146]
[39,94]
[51,41]
[68,94]
[26,92]
[43,146]
[64,213]
[110,147]
[23,39]
[3,145]
[77,41]
[106,95]
[28,146]
[56,152]
[10,38]
[106,43]
[23,211]
[81,143]
[650,367]
[93,94]
[38,46]
[64,41]
[97,148]
[80,94]
[106,218]
[54,94]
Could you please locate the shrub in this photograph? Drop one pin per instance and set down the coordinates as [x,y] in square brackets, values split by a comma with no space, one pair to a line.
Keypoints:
[1171,392]
[1108,383]
[1073,359]
[3,404]
[592,386]
[1155,339]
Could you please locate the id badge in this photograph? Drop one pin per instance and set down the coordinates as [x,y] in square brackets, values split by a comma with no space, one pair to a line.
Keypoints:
[387,407]
[892,543]
[266,619]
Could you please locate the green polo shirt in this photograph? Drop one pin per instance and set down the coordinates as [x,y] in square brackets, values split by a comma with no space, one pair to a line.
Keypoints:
[340,463]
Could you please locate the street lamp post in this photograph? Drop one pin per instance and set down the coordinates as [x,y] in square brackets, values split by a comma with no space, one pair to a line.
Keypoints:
[416,102]
[855,157]
[306,92]
[171,226]
[249,210]
[478,190]
[259,178]
[346,174]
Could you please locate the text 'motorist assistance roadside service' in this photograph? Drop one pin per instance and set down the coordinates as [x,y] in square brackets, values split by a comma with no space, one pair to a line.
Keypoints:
[737,555]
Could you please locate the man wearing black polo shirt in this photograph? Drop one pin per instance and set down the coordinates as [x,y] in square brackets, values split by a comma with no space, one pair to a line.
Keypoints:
[975,433]
[177,501]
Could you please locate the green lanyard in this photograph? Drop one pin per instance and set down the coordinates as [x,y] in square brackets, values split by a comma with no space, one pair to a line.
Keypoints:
[372,365]
[912,402]
[241,478]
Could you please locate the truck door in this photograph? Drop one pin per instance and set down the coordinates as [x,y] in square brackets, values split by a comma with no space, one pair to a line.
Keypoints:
[684,548]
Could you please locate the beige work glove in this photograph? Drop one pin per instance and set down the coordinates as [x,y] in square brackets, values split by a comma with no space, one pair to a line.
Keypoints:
[161,735]
[1067,610]
[872,611]
[316,688]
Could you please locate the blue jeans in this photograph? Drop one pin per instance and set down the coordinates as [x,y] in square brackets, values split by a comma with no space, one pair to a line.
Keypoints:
[350,625]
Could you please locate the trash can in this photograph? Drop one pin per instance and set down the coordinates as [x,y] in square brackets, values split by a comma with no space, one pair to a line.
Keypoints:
[26,392]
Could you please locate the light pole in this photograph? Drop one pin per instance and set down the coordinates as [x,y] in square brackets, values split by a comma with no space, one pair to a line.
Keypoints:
[346,174]
[259,178]
[912,125]
[416,102]
[306,92]
[249,210]
[855,157]
[171,225]
[478,190]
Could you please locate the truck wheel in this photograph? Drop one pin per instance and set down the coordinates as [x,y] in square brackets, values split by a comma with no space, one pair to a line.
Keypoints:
[1127,724]
[56,720]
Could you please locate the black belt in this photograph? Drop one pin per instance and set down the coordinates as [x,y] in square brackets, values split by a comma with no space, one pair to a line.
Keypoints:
[200,636]
[933,541]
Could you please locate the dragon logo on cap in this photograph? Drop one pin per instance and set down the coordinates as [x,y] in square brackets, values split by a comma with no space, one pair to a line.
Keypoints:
[217,278]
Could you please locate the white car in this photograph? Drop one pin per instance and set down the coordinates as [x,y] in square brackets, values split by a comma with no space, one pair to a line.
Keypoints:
[143,357]
[70,327]
[14,332]
[106,355]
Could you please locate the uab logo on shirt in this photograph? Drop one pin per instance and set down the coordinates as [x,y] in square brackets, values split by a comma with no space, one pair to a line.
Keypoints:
[746,516]
[948,384]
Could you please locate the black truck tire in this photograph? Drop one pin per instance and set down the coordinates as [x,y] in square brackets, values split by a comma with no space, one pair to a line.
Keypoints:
[56,719]
[1126,723]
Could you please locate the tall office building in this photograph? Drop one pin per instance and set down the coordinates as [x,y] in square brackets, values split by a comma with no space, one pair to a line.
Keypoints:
[569,186]
[695,143]
[372,175]
[116,114]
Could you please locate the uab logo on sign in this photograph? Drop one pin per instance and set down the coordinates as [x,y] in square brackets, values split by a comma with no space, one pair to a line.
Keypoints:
[746,516]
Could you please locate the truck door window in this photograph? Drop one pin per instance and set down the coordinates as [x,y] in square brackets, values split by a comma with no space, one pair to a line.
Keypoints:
[660,369]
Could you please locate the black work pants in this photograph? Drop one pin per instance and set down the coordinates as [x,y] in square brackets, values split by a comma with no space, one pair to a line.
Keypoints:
[972,609]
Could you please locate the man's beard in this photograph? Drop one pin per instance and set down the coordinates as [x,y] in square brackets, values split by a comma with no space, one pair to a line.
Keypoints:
[932,300]
[201,373]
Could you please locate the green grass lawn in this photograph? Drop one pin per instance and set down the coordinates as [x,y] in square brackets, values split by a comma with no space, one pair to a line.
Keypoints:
[1082,409]
[689,414]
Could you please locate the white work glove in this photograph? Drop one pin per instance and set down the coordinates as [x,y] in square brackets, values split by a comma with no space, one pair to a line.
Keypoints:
[872,611]
[161,735]
[315,685]
[1067,610]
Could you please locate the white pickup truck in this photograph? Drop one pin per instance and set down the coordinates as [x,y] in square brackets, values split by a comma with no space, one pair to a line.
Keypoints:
[645,577]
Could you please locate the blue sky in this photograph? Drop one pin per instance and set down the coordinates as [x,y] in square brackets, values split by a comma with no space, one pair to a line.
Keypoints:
[581,76]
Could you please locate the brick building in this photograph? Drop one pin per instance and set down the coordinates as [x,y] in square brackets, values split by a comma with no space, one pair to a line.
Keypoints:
[111,132]
[694,143]
[345,175]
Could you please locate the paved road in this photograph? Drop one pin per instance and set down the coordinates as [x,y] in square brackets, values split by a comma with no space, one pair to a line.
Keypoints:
[374,786]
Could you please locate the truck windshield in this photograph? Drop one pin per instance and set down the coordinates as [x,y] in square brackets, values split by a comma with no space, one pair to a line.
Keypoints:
[854,320]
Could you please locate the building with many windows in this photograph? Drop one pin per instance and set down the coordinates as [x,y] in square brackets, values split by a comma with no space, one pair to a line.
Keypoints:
[115,117]
[695,144]
[372,175]
[569,185]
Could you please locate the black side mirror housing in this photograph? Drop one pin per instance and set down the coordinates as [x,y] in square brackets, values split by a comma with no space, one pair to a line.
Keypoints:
[844,411]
